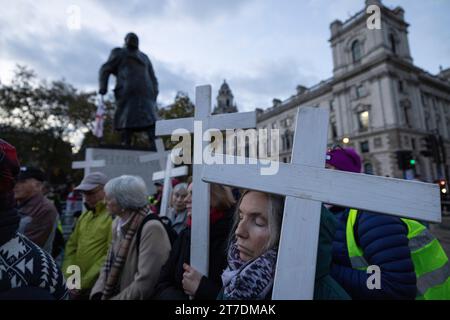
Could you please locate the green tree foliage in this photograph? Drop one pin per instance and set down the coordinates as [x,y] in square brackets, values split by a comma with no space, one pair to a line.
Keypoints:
[182,107]
[41,149]
[42,118]
[39,105]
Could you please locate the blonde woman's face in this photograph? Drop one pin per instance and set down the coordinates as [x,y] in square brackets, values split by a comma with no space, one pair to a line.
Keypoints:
[252,232]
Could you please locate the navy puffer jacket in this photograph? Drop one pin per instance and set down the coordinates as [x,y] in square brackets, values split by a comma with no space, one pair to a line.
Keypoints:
[384,242]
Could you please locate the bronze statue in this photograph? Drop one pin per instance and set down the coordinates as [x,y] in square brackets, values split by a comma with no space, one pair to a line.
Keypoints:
[136,90]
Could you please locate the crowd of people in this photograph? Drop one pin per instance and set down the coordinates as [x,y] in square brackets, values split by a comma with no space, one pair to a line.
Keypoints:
[126,251]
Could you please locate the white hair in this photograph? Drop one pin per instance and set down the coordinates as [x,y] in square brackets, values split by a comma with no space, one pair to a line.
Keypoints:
[130,192]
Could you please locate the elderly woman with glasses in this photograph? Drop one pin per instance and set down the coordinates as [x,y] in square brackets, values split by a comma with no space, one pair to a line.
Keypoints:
[133,265]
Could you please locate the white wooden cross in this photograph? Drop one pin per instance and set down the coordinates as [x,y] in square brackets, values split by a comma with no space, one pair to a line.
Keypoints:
[307,184]
[89,163]
[166,175]
[159,155]
[200,192]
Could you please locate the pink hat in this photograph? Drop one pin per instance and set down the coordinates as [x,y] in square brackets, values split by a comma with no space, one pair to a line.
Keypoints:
[344,159]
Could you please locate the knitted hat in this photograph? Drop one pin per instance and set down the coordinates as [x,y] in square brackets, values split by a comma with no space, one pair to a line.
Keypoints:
[344,159]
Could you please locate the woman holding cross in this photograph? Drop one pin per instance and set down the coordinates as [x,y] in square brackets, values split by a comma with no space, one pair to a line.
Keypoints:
[178,280]
[253,249]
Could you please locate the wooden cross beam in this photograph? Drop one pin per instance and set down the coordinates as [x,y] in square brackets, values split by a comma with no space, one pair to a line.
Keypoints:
[200,192]
[166,175]
[159,155]
[89,163]
[306,185]
[174,172]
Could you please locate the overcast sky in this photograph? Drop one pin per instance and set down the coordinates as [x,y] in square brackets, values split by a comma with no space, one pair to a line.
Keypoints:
[263,48]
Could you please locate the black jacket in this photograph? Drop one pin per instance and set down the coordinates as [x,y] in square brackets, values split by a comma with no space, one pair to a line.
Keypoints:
[170,287]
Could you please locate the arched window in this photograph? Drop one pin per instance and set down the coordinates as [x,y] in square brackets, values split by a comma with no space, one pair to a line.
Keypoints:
[356,51]
[393,43]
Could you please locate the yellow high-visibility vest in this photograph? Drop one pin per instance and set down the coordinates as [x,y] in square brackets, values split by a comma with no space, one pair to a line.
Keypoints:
[430,261]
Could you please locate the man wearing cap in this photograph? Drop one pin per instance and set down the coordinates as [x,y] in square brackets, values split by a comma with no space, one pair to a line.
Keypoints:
[26,271]
[396,246]
[88,245]
[39,215]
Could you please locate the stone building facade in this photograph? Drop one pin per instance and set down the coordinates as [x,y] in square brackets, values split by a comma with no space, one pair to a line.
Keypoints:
[380,103]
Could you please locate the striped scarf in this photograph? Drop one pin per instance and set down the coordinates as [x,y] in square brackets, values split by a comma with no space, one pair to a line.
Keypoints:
[115,262]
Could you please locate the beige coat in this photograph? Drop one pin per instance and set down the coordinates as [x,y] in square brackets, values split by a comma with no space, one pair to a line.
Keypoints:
[139,274]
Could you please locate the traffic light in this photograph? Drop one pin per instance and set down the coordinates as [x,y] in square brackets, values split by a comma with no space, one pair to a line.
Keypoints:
[405,160]
[443,186]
